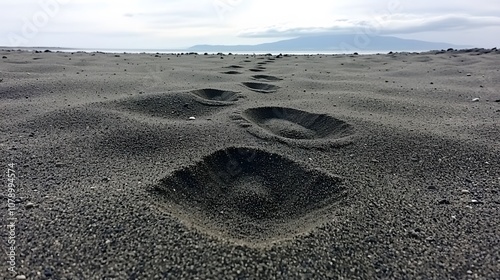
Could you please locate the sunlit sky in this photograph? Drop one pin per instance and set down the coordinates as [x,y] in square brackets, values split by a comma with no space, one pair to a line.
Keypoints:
[177,24]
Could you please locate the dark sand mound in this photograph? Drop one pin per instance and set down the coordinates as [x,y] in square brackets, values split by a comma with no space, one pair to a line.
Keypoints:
[256,70]
[232,72]
[249,195]
[212,96]
[266,78]
[168,105]
[73,119]
[261,87]
[296,126]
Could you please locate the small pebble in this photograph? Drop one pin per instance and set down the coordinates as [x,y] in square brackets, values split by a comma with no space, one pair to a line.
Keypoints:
[469,74]
[29,205]
[192,118]
[21,277]
[465,191]
[475,100]
[444,202]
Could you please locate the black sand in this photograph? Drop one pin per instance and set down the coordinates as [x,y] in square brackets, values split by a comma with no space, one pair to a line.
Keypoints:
[317,167]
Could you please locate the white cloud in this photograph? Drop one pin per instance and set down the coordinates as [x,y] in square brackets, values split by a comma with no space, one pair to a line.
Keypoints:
[382,25]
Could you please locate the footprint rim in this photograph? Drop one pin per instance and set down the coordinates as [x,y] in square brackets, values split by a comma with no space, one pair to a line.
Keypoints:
[207,96]
[267,78]
[342,134]
[261,87]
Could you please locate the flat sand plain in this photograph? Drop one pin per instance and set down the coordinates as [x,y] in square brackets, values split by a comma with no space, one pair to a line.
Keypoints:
[144,166]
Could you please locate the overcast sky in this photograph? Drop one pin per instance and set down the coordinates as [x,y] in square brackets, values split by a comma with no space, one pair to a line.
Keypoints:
[176,24]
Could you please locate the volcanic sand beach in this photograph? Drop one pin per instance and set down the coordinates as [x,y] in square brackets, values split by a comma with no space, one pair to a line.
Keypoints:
[144,166]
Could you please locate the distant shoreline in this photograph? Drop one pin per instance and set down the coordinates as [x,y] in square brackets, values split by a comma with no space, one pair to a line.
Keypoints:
[186,52]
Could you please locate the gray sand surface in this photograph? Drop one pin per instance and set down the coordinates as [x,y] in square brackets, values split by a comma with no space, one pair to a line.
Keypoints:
[136,166]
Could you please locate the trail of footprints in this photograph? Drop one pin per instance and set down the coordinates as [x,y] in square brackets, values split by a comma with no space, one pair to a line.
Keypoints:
[253,196]
[244,194]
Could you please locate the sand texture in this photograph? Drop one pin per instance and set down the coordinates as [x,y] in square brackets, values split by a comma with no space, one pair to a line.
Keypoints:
[144,166]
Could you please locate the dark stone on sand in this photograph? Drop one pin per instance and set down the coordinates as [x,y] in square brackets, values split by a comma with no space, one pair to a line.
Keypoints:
[48,272]
[444,202]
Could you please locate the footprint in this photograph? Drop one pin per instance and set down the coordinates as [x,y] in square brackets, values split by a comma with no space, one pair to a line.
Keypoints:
[234,67]
[266,78]
[232,72]
[297,127]
[261,87]
[211,96]
[249,195]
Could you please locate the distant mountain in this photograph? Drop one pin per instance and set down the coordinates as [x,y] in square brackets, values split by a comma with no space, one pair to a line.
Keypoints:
[333,43]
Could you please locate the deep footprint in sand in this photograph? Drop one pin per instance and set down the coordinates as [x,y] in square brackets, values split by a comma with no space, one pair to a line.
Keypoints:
[261,87]
[297,127]
[249,195]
